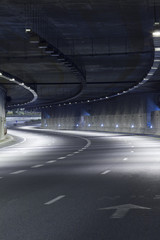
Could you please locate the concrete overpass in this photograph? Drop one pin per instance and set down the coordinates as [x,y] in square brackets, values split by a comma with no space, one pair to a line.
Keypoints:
[91,62]
[85,65]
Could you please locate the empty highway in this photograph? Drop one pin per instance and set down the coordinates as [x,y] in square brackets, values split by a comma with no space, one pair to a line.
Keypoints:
[68,185]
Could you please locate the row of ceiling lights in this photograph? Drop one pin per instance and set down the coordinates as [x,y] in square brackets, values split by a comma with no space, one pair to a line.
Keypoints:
[34,38]
[156,62]
[22,84]
[54,52]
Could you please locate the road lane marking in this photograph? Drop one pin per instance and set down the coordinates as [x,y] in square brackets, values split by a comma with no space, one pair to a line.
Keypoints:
[70,155]
[1,177]
[37,166]
[51,161]
[122,210]
[156,197]
[105,172]
[132,146]
[61,157]
[76,152]
[125,159]
[18,172]
[54,200]
[132,151]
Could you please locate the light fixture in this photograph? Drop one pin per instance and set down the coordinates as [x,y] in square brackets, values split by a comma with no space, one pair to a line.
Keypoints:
[156,30]
[49,50]
[153,68]
[34,38]
[157,49]
[42,45]
[54,54]
[61,58]
[27,30]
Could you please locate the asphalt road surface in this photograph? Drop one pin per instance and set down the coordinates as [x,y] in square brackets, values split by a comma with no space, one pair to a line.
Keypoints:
[79,186]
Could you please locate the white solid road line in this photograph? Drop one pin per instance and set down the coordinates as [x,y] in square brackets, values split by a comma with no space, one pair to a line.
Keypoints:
[125,159]
[18,172]
[37,166]
[61,157]
[54,200]
[107,171]
[51,161]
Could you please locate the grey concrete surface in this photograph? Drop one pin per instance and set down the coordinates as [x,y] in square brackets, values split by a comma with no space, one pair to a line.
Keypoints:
[80,185]
[133,113]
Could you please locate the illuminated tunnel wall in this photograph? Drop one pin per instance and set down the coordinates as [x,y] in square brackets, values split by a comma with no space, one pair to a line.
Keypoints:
[2,113]
[133,113]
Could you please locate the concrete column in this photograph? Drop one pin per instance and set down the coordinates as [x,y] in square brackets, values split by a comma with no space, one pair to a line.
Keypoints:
[2,114]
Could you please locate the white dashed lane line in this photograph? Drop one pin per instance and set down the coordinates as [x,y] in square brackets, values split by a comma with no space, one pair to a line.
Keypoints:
[51,161]
[105,172]
[37,166]
[61,157]
[18,172]
[125,159]
[54,200]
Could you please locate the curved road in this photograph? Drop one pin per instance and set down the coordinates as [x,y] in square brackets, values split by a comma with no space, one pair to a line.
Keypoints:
[70,185]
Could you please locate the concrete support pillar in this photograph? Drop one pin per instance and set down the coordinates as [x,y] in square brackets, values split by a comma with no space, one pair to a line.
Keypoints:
[2,114]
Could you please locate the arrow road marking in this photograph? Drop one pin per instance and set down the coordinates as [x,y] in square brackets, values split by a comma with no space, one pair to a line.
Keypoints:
[122,210]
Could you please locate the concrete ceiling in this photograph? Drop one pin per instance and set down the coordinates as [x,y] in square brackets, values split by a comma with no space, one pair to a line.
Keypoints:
[108,41]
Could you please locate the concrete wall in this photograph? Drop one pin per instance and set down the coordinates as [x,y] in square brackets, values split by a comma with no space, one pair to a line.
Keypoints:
[132,113]
[2,114]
